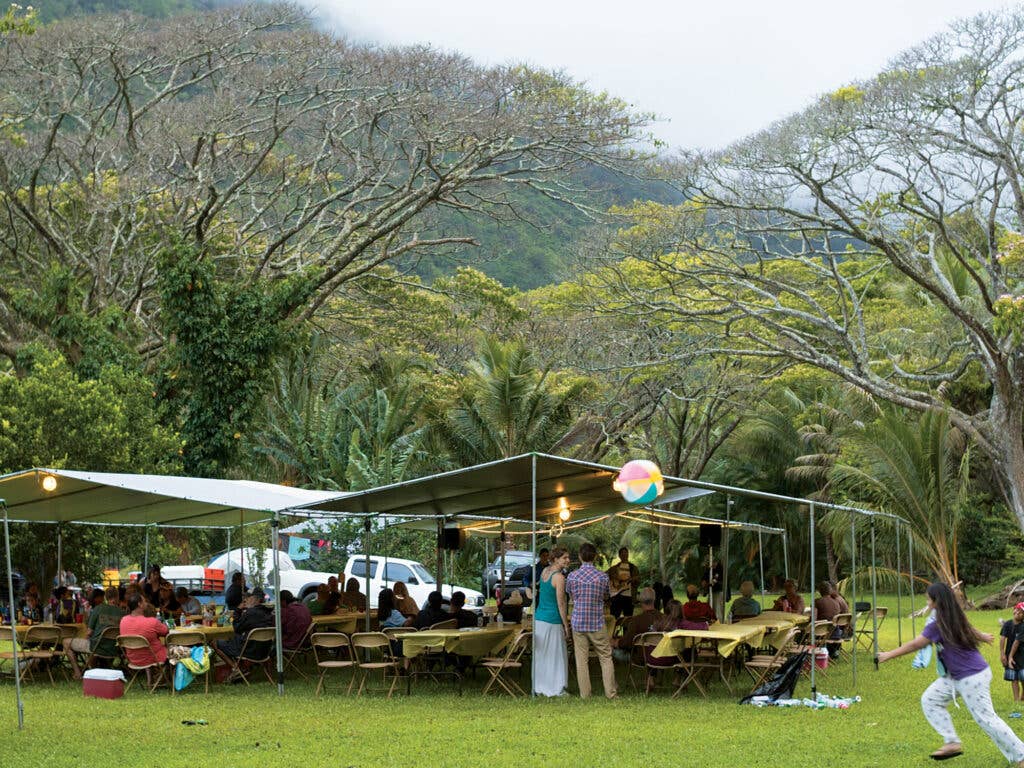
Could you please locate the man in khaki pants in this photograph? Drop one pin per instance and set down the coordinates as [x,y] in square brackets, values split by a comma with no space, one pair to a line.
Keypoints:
[588,590]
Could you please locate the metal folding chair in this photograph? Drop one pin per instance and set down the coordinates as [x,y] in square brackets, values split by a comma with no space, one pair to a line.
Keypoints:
[138,643]
[377,650]
[258,635]
[511,662]
[292,656]
[191,639]
[327,647]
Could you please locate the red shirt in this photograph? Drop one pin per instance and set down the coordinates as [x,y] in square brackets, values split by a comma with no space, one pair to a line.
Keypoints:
[696,610]
[149,628]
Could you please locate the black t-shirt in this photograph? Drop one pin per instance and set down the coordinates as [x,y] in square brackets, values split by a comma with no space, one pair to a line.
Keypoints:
[1013,631]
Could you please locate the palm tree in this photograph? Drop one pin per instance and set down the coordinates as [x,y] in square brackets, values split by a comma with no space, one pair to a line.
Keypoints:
[507,405]
[916,467]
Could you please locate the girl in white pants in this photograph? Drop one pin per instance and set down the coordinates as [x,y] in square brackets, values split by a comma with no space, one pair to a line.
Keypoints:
[967,675]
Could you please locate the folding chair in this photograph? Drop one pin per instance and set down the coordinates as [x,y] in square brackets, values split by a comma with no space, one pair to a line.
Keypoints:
[449,624]
[191,639]
[843,626]
[637,662]
[43,646]
[331,644]
[865,634]
[821,632]
[706,660]
[110,633]
[510,662]
[258,635]
[139,643]
[768,663]
[377,648]
[293,655]
[647,643]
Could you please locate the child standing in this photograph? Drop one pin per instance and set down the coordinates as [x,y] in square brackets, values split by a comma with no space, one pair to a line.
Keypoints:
[1011,653]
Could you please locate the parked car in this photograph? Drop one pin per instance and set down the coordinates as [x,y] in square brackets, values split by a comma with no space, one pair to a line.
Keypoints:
[420,581]
[299,582]
[513,559]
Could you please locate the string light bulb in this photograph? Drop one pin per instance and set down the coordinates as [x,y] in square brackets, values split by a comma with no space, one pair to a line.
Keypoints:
[564,513]
[48,483]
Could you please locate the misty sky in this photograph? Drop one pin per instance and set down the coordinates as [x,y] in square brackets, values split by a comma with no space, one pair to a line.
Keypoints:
[714,71]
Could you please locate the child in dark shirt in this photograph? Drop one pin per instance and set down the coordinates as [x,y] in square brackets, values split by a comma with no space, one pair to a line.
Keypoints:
[1011,653]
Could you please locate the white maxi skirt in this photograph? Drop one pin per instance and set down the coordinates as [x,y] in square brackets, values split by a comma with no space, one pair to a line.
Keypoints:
[550,659]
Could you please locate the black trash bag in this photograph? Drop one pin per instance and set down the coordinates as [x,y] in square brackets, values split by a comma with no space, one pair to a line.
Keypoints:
[783,682]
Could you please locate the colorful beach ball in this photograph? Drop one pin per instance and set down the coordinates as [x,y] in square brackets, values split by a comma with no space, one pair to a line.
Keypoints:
[639,482]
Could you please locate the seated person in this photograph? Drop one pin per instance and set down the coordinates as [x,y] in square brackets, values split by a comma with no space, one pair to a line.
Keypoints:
[30,610]
[388,615]
[790,601]
[252,614]
[459,613]
[352,598]
[745,606]
[295,621]
[149,627]
[235,592]
[637,624]
[403,602]
[190,606]
[103,615]
[696,610]
[672,620]
[316,606]
[151,584]
[826,608]
[166,603]
[844,607]
[63,606]
[433,613]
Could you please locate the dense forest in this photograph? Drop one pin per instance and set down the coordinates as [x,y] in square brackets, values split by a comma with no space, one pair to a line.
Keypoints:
[237,245]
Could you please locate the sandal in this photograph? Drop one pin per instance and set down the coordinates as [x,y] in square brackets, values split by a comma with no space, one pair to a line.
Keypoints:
[947,751]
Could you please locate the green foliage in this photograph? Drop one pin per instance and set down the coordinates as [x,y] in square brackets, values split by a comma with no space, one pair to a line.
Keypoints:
[990,544]
[224,339]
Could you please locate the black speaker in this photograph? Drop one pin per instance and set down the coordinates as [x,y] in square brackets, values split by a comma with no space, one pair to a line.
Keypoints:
[711,536]
[450,538]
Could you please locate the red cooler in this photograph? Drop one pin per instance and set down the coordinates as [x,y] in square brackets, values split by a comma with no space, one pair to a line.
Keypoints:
[103,683]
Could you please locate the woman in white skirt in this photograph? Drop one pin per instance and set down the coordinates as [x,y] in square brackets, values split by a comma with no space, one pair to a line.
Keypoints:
[551,628]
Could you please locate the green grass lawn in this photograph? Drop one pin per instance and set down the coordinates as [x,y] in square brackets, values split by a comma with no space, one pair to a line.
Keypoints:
[253,727]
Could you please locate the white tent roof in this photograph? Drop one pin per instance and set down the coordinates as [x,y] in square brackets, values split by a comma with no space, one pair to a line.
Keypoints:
[125,499]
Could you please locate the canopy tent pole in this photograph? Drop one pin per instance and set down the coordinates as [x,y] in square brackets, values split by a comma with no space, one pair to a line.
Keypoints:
[725,556]
[501,570]
[533,581]
[910,566]
[14,632]
[814,614]
[899,589]
[366,568]
[853,595]
[278,643]
[145,556]
[229,551]
[785,552]
[241,545]
[760,559]
[60,555]
[439,565]
[874,590]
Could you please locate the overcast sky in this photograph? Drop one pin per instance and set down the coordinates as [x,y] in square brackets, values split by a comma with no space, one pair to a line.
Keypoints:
[714,71]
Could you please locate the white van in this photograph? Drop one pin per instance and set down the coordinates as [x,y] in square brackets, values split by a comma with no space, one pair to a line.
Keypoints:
[420,581]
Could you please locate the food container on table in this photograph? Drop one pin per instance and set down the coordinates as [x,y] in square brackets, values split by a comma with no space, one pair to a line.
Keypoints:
[103,683]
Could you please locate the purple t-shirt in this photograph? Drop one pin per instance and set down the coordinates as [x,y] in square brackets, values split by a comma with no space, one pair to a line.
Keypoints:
[959,662]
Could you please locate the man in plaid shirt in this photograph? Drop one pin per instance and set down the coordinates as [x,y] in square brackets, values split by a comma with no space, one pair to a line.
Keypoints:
[588,590]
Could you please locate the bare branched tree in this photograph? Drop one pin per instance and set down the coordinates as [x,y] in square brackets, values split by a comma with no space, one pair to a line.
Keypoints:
[272,147]
[875,236]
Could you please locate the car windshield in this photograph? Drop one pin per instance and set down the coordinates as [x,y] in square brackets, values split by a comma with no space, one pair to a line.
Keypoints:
[422,573]
[514,561]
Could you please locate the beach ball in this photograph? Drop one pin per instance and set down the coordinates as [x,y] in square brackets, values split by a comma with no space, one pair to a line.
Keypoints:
[639,482]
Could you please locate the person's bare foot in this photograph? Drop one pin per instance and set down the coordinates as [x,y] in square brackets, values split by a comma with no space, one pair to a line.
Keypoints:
[946,751]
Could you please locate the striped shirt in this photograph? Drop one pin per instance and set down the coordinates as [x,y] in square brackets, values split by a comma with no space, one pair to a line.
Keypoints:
[588,589]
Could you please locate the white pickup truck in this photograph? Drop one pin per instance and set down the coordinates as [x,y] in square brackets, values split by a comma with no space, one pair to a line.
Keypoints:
[420,581]
[297,581]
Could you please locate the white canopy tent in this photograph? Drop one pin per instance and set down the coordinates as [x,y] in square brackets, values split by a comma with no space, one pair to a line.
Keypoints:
[60,496]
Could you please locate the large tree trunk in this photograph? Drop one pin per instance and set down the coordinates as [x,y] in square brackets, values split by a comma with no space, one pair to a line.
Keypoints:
[830,558]
[1007,418]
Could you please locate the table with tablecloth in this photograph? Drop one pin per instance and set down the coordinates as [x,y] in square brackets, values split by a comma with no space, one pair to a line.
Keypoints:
[471,641]
[728,638]
[348,622]
[210,634]
[798,619]
[776,629]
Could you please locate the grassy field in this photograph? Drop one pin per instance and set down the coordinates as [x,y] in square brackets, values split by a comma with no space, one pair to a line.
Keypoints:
[253,727]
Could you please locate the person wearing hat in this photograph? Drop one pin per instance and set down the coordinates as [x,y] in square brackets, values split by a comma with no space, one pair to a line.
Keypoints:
[1011,653]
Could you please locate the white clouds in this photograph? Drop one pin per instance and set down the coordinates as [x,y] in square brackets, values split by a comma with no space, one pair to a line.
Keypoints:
[716,70]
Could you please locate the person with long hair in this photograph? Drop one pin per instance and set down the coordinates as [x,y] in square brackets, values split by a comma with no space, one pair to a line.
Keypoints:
[403,602]
[967,674]
[551,627]
[388,614]
[352,598]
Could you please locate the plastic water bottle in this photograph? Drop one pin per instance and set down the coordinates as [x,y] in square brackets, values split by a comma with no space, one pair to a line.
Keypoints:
[501,619]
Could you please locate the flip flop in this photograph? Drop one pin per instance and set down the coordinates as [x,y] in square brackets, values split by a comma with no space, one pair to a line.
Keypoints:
[939,755]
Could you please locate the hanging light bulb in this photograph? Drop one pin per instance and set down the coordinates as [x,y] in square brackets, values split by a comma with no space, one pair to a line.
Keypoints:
[48,483]
[564,513]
